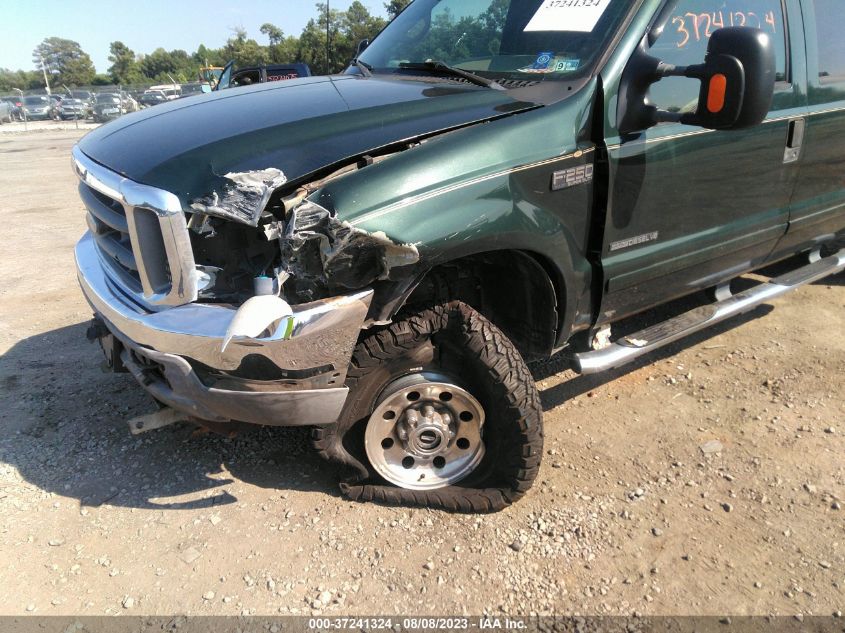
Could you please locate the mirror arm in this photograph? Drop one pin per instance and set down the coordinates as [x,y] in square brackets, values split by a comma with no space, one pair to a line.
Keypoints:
[662,71]
[691,72]
[664,116]
[636,113]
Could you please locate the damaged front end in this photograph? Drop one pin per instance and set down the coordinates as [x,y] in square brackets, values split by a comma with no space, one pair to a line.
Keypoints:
[301,252]
[322,255]
[261,321]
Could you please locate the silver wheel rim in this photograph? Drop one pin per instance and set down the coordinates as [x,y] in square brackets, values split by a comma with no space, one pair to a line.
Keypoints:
[425,433]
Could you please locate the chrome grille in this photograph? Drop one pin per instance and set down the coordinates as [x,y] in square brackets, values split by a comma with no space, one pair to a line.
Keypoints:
[141,234]
[107,222]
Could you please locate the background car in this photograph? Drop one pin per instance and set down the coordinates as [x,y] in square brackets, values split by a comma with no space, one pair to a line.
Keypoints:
[37,107]
[128,102]
[171,92]
[107,106]
[17,106]
[152,97]
[5,112]
[194,89]
[55,106]
[73,108]
[262,74]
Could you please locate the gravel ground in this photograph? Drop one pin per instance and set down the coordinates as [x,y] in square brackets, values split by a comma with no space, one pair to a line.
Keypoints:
[19,127]
[706,480]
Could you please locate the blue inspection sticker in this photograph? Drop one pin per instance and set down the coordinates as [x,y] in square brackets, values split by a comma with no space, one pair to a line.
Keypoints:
[543,61]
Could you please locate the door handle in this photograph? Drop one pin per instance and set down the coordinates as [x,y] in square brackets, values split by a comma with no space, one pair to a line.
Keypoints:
[794,141]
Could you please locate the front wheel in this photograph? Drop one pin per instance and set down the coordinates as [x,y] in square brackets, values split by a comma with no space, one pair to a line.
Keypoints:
[442,412]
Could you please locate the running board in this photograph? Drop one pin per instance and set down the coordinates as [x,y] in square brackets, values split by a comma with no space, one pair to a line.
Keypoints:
[645,341]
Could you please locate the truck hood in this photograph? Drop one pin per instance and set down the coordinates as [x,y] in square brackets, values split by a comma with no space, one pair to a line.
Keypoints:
[297,127]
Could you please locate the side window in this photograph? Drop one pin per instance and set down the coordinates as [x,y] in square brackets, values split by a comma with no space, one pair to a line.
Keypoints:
[831,42]
[684,41]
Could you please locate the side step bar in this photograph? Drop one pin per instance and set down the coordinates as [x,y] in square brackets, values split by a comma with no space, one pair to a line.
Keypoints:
[645,341]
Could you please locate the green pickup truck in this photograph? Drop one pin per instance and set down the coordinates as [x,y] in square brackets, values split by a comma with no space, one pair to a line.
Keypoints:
[378,254]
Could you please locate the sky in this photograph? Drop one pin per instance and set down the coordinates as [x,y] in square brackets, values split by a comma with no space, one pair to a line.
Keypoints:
[142,26]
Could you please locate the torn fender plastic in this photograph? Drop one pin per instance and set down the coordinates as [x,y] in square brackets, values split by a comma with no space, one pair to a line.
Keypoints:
[321,252]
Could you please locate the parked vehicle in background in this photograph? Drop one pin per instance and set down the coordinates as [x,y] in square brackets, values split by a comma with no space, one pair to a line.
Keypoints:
[151,98]
[37,107]
[77,104]
[55,106]
[73,108]
[128,102]
[231,78]
[17,106]
[211,74]
[107,106]
[377,254]
[6,112]
[171,91]
[136,95]
[195,88]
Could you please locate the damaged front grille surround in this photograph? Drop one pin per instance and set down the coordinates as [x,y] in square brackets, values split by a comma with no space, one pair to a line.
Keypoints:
[141,233]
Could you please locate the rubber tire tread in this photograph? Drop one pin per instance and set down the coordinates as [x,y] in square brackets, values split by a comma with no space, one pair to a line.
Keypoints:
[510,386]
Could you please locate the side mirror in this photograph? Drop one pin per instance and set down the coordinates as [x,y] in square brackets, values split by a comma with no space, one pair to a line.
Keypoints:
[737,84]
[362,46]
[737,80]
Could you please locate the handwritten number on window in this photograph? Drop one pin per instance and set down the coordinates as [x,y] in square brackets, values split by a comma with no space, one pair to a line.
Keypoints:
[695,27]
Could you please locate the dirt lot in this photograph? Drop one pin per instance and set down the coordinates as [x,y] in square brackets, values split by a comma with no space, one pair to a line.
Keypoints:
[18,127]
[708,480]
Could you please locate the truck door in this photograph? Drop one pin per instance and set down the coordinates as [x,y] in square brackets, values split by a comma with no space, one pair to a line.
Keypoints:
[819,202]
[689,208]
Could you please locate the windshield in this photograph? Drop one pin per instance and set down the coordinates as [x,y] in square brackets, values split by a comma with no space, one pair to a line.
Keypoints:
[35,100]
[81,95]
[500,39]
[107,99]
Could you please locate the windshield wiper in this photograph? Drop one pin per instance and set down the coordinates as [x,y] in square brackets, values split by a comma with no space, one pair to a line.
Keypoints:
[441,67]
[364,67]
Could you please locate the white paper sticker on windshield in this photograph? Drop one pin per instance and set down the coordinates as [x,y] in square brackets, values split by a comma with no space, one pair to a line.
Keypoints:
[568,15]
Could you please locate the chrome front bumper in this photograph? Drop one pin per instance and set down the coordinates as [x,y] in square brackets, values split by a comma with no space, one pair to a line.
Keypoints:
[173,352]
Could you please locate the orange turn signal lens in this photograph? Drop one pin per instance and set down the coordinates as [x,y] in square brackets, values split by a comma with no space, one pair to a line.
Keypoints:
[716,95]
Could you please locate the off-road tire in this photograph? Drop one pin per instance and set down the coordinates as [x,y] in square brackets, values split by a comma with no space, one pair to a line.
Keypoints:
[456,340]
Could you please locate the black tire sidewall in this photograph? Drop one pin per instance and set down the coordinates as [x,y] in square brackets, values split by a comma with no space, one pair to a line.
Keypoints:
[457,342]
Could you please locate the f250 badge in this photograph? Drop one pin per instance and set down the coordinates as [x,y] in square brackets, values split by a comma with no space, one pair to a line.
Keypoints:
[572,177]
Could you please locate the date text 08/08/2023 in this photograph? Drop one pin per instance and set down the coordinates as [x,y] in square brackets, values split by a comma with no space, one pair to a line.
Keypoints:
[415,624]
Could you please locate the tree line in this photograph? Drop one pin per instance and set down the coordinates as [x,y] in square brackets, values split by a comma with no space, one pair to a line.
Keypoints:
[66,64]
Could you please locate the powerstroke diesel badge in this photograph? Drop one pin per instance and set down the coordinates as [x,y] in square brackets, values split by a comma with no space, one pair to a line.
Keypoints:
[572,177]
[634,241]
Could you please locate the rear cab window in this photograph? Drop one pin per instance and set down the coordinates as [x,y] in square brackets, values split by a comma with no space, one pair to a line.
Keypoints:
[831,42]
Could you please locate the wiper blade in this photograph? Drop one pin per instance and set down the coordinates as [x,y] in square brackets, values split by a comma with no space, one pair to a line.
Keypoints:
[437,66]
[364,67]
